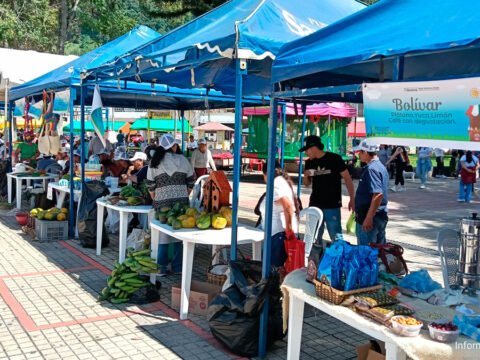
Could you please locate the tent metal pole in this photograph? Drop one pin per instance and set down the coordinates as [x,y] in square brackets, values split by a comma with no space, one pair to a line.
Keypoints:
[284,131]
[71,208]
[175,128]
[236,154]
[267,243]
[302,139]
[82,133]
[9,115]
[182,119]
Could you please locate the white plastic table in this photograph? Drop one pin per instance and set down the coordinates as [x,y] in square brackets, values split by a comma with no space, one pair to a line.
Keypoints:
[298,292]
[190,237]
[123,212]
[62,192]
[19,182]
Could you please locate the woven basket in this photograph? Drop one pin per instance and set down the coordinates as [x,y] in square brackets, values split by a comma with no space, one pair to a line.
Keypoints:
[330,294]
[214,278]
[31,222]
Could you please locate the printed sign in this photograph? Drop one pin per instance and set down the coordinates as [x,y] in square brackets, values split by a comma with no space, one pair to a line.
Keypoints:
[433,113]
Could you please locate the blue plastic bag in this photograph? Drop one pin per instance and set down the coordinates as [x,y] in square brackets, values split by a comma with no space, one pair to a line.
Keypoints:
[420,281]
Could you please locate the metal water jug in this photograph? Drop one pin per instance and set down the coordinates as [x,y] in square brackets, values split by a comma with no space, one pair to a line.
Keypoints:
[469,253]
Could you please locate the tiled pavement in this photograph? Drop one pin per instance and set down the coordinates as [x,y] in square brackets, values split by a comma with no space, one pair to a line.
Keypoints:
[48,307]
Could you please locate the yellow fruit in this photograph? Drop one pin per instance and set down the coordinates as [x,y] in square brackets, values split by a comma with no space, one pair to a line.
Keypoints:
[189,222]
[218,221]
[34,213]
[41,215]
[182,217]
[49,215]
[226,212]
[191,212]
[64,210]
[61,217]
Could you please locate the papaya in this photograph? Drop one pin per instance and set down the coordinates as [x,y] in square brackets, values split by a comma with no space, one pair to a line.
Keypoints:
[203,222]
[176,224]
[191,212]
[182,217]
[189,222]
[162,218]
[170,220]
[61,217]
[219,222]
[49,216]
[226,212]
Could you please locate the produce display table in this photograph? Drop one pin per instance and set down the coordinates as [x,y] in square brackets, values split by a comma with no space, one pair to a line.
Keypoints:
[297,292]
[190,237]
[123,213]
[19,183]
[62,191]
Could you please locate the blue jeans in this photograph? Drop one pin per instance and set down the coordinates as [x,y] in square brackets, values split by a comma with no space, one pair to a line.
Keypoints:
[465,191]
[376,235]
[423,167]
[162,257]
[331,218]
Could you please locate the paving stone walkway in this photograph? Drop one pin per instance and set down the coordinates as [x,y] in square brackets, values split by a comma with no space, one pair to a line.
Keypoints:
[48,291]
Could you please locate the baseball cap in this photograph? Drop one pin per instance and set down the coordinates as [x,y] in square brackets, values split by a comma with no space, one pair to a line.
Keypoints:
[167,141]
[139,156]
[121,156]
[363,146]
[311,141]
[104,151]
[202,141]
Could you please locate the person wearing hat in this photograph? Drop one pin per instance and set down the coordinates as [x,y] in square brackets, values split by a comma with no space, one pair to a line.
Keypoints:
[202,158]
[170,178]
[137,172]
[62,157]
[371,198]
[324,172]
[121,164]
[27,151]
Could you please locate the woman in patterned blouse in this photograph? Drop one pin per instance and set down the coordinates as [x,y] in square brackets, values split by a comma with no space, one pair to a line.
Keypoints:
[170,178]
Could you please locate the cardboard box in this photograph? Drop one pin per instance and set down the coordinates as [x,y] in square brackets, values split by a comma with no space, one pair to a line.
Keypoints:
[365,352]
[201,293]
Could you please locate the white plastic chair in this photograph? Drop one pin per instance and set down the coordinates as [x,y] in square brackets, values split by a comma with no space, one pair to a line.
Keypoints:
[448,244]
[313,219]
[196,195]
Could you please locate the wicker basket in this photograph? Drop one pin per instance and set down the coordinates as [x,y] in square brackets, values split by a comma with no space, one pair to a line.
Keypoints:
[328,293]
[214,278]
[31,222]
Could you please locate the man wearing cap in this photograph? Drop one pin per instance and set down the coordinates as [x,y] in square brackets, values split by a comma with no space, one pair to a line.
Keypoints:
[371,197]
[324,171]
[96,145]
[201,159]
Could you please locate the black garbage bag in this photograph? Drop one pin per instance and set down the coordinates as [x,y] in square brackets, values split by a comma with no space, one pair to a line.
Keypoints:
[147,294]
[5,168]
[87,214]
[234,314]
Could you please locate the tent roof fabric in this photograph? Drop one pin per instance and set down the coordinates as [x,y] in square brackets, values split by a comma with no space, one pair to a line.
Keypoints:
[19,66]
[350,51]
[89,126]
[212,127]
[69,74]
[257,28]
[163,125]
[358,131]
[323,109]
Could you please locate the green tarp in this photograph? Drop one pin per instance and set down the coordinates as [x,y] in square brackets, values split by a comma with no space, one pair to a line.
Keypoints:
[163,125]
[89,126]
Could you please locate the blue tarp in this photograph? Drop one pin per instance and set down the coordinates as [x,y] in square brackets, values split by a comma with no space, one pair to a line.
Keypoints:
[69,74]
[201,53]
[438,39]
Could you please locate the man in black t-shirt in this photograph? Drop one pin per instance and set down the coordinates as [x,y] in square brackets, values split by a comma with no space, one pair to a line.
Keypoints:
[324,171]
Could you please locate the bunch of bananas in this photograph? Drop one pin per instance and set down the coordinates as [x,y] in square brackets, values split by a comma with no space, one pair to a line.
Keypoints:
[125,279]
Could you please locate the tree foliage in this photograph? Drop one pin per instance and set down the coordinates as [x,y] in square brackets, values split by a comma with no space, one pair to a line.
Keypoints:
[78,26]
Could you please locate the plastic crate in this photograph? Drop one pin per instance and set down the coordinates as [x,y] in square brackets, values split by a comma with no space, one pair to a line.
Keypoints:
[51,230]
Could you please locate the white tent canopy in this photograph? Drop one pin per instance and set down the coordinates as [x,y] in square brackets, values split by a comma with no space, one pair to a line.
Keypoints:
[19,66]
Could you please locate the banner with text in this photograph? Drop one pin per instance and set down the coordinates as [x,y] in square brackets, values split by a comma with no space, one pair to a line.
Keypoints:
[431,113]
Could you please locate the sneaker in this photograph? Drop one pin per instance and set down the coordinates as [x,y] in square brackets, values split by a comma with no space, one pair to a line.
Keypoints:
[444,177]
[423,186]
[460,200]
[402,188]
[393,188]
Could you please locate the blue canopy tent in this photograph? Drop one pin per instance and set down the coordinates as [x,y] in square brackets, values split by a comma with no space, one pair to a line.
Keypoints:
[229,49]
[388,41]
[124,93]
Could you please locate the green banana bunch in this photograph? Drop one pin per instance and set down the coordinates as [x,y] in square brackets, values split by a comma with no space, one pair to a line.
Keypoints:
[125,279]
